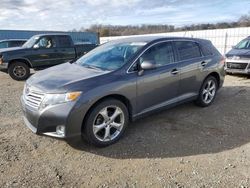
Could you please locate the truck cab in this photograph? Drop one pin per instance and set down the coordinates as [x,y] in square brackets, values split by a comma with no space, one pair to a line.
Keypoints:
[39,52]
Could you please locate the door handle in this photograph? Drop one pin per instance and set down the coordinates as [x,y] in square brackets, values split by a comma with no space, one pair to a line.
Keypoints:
[174,71]
[204,63]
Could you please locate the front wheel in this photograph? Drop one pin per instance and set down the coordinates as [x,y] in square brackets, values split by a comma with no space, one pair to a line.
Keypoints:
[208,92]
[19,71]
[106,123]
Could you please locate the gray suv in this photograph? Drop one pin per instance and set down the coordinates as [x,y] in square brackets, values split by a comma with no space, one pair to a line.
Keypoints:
[99,94]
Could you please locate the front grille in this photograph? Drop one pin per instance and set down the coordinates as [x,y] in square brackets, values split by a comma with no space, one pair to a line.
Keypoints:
[33,98]
[232,65]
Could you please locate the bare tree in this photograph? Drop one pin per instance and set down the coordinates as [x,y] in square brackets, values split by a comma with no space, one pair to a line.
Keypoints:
[116,30]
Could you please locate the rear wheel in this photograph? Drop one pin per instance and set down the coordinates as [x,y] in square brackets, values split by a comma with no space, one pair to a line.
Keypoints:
[106,123]
[19,71]
[208,92]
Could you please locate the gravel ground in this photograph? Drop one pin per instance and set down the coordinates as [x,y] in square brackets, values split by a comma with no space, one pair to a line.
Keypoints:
[186,146]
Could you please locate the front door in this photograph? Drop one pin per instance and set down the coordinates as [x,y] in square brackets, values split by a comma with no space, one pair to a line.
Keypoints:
[159,87]
[45,52]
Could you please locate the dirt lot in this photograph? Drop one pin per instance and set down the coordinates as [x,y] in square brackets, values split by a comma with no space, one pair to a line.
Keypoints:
[183,147]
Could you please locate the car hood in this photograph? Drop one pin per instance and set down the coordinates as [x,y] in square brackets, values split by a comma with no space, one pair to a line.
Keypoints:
[57,78]
[10,49]
[239,52]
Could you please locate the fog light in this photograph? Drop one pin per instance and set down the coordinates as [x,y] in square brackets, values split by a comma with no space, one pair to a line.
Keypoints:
[60,130]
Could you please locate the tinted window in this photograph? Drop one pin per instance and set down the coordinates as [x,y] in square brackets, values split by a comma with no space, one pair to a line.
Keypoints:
[208,49]
[15,43]
[64,41]
[188,50]
[3,45]
[162,54]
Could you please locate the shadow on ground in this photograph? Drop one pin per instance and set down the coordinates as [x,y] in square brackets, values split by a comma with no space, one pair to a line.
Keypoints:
[185,130]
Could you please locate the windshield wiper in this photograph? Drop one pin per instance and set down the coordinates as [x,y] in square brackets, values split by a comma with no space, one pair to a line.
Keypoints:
[93,67]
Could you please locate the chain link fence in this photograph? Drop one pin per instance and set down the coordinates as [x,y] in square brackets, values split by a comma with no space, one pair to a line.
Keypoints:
[223,39]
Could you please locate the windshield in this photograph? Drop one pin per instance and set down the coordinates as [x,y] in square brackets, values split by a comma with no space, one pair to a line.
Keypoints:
[244,44]
[30,43]
[110,56]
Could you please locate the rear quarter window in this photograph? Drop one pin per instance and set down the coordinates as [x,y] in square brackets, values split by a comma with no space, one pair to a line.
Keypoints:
[64,41]
[208,49]
[188,50]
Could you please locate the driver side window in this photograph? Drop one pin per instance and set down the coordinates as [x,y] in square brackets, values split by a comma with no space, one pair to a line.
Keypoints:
[161,54]
[45,42]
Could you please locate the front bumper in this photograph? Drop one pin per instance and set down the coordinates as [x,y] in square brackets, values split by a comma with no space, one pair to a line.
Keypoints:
[46,121]
[240,66]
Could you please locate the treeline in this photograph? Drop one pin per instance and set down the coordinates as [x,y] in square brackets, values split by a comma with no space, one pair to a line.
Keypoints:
[116,30]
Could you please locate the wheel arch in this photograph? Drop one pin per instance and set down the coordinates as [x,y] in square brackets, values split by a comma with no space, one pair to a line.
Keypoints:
[119,97]
[216,76]
[26,61]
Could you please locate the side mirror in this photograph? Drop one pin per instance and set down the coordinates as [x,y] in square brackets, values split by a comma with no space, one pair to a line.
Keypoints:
[36,46]
[146,65]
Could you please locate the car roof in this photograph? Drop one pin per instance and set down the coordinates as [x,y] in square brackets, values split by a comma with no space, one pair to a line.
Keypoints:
[52,34]
[148,39]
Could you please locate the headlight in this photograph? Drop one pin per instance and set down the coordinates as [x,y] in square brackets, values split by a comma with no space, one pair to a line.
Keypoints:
[53,99]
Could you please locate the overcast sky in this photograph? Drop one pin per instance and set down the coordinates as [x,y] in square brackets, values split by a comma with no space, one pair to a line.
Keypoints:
[68,14]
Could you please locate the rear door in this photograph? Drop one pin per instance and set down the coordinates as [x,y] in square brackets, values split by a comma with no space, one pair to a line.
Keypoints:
[66,49]
[159,87]
[190,60]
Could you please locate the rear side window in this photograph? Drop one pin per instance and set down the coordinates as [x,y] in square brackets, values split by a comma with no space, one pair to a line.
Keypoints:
[207,49]
[162,54]
[15,43]
[64,41]
[188,50]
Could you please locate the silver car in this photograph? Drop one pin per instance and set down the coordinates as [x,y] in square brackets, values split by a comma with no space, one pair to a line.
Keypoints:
[99,94]
[238,59]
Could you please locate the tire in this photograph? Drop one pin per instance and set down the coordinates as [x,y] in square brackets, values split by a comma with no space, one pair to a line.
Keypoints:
[105,118]
[207,92]
[19,71]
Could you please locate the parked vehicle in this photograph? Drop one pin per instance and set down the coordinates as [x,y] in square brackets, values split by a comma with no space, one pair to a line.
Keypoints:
[118,82]
[10,43]
[238,59]
[39,52]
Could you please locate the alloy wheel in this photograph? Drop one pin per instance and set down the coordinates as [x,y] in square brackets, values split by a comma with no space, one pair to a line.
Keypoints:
[108,123]
[209,91]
